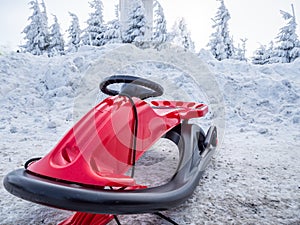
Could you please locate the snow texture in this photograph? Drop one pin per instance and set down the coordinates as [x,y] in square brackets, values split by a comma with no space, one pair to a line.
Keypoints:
[253,179]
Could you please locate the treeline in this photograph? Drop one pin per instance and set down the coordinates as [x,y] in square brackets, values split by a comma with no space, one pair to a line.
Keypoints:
[42,39]
[287,46]
[285,50]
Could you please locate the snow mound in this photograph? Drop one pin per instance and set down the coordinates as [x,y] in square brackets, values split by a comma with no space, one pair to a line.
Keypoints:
[259,96]
[253,179]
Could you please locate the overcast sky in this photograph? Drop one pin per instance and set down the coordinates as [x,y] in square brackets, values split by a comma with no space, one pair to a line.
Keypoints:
[257,20]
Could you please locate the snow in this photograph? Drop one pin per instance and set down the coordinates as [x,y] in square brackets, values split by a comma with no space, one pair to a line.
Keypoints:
[253,179]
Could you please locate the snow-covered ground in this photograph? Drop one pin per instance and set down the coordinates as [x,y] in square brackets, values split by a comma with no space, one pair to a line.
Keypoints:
[254,178]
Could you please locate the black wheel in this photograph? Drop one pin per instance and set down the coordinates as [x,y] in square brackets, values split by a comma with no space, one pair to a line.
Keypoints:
[133,86]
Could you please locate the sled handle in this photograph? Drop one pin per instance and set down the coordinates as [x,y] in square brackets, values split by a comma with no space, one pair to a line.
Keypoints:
[133,86]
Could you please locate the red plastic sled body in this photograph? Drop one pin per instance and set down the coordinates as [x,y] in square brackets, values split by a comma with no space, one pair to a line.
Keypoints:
[98,150]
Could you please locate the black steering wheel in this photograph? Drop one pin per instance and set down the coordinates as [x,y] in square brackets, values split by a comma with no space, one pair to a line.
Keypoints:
[133,86]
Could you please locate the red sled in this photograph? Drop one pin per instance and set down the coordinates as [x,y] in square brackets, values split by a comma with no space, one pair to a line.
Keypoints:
[91,170]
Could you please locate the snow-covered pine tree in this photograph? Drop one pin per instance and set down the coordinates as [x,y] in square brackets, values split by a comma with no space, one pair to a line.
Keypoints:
[57,44]
[270,52]
[217,47]
[221,44]
[260,56]
[244,50]
[44,13]
[36,33]
[94,33]
[113,32]
[295,53]
[113,29]
[288,48]
[136,25]
[160,34]
[181,36]
[117,11]
[240,51]
[45,20]
[74,34]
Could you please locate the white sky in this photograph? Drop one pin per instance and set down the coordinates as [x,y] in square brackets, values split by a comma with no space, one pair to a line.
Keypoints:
[257,20]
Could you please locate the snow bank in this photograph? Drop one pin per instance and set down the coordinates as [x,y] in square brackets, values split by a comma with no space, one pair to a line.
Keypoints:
[259,97]
[254,178]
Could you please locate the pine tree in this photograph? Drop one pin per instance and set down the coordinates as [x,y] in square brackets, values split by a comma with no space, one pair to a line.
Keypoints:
[295,52]
[269,53]
[221,45]
[217,46]
[74,34]
[94,33]
[289,47]
[57,43]
[113,29]
[36,33]
[44,13]
[117,11]
[240,51]
[260,56]
[136,25]
[160,34]
[181,36]
[113,32]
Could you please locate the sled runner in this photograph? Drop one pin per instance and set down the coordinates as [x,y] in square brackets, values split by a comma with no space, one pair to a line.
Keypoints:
[91,170]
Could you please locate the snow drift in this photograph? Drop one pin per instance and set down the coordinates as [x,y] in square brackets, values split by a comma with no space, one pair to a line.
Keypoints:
[253,179]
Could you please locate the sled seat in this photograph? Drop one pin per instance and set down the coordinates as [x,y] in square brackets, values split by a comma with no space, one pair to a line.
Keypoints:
[186,110]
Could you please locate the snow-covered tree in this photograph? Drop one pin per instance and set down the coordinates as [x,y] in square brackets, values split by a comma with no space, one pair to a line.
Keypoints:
[295,52]
[288,48]
[160,34]
[113,32]
[44,13]
[74,34]
[113,29]
[36,33]
[260,56]
[117,11]
[217,47]
[94,33]
[221,44]
[263,55]
[270,53]
[240,51]
[57,44]
[136,25]
[181,36]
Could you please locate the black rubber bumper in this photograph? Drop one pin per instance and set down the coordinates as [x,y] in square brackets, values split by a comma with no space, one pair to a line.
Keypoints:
[75,198]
